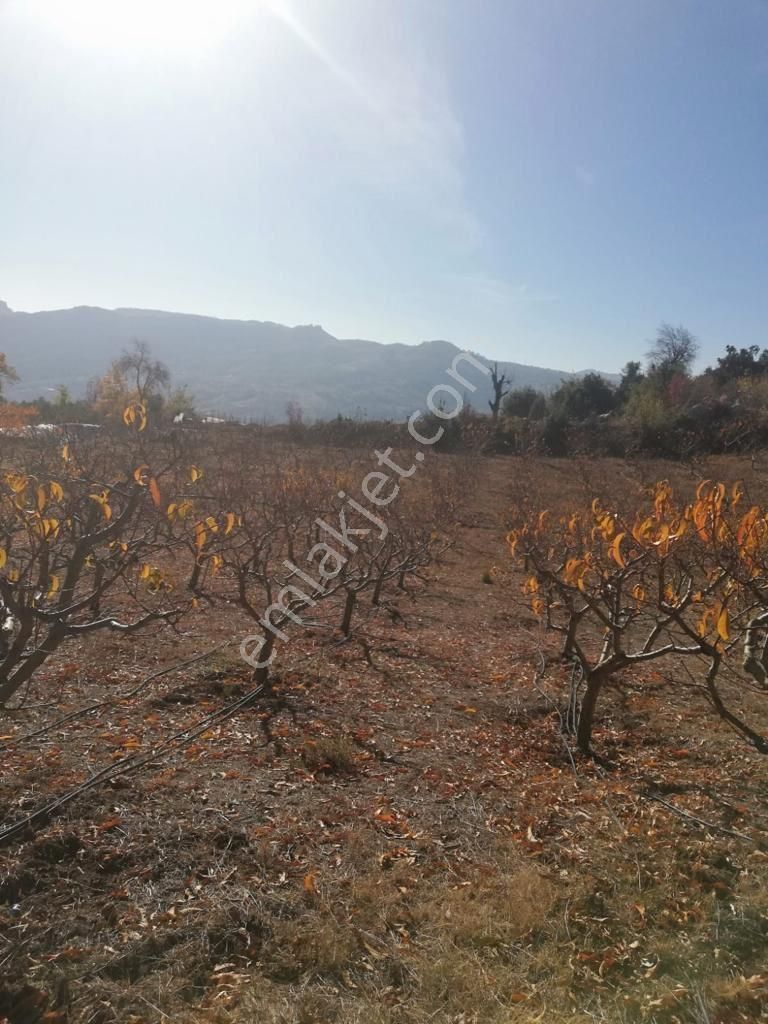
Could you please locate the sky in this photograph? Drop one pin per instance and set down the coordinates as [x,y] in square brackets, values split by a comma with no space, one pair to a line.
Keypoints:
[543,181]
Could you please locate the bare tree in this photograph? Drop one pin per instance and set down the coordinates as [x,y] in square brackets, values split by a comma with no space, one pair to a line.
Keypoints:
[673,350]
[134,377]
[497,382]
[143,374]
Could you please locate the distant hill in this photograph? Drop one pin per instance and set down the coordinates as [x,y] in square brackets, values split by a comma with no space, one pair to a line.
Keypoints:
[242,368]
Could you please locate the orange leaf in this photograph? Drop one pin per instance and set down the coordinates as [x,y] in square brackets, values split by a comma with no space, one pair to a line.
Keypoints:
[109,823]
[154,490]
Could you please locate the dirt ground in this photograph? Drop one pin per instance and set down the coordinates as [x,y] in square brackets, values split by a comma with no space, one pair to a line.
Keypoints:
[400,841]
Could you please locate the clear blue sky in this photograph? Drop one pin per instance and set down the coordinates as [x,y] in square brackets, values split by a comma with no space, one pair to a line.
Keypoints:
[540,180]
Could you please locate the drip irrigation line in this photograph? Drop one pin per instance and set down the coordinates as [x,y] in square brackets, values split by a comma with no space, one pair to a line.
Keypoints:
[115,700]
[134,762]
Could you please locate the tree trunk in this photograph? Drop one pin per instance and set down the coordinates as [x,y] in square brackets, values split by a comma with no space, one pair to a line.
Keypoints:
[349,607]
[95,605]
[759,742]
[261,674]
[7,690]
[15,675]
[194,579]
[595,682]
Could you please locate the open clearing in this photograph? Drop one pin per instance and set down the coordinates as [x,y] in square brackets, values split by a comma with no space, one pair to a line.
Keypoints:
[399,835]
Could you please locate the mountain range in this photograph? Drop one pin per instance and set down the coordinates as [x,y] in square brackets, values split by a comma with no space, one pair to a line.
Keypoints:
[246,369]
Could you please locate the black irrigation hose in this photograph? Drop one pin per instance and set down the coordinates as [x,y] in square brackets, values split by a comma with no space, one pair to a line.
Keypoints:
[135,690]
[125,765]
[133,762]
[114,700]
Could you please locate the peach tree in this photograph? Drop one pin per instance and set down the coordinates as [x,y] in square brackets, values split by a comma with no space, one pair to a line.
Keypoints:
[664,580]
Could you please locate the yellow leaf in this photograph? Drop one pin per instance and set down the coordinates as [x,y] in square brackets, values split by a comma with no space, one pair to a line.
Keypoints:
[607,526]
[55,583]
[531,585]
[640,529]
[195,474]
[615,550]
[135,414]
[705,622]
[50,527]
[722,625]
[56,490]
[17,482]
[571,569]
[701,488]
[662,536]
[101,499]
[3,557]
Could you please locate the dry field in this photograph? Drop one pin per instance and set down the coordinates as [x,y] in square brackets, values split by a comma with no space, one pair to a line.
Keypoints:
[400,834]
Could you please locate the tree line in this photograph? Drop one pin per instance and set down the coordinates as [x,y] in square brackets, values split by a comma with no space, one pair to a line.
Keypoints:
[659,406]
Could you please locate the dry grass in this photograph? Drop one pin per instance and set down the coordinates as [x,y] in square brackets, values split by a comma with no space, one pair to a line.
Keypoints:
[502,943]
[330,754]
[396,949]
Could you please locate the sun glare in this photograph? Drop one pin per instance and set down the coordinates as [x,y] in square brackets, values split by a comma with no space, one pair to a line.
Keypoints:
[165,26]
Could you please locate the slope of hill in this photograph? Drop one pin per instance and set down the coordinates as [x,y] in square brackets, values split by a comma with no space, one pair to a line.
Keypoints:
[245,368]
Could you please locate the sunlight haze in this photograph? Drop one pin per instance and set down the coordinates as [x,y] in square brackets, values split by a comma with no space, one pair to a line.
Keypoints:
[542,182]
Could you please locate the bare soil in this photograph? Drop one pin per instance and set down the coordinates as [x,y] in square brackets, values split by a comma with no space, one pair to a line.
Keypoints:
[402,841]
